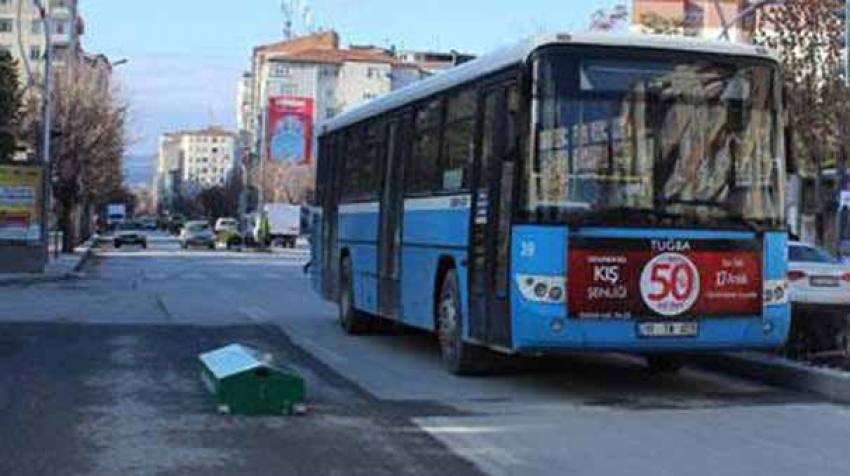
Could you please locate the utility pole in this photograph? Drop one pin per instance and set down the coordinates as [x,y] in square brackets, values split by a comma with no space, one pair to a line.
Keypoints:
[47,122]
[842,241]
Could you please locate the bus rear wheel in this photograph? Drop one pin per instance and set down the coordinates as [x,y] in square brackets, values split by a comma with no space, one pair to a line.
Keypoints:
[352,321]
[458,357]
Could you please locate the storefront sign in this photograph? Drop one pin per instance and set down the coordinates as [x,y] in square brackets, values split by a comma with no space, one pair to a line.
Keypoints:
[20,203]
[290,130]
[646,279]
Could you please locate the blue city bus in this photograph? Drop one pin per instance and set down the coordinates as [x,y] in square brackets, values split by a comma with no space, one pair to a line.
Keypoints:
[571,193]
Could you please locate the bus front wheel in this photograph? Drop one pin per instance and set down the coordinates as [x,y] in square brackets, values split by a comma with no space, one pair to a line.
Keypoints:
[458,357]
[351,320]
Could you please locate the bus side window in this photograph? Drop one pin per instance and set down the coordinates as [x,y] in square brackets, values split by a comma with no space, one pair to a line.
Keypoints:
[352,158]
[370,183]
[422,171]
[458,142]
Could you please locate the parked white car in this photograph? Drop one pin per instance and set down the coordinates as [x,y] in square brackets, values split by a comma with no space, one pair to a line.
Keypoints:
[816,278]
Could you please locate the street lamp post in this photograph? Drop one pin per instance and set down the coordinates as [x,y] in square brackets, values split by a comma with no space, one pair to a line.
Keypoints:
[47,122]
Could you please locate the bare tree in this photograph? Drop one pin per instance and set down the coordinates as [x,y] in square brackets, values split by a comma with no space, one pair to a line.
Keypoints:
[287,183]
[809,35]
[88,149]
[10,104]
[658,24]
[606,19]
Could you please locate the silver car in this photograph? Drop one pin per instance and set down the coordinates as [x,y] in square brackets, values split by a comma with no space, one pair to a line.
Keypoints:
[197,234]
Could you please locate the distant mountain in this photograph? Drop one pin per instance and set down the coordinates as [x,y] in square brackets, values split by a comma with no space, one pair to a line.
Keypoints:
[139,170]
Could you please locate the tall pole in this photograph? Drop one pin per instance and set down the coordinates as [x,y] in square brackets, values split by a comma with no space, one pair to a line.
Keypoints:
[843,213]
[847,43]
[47,122]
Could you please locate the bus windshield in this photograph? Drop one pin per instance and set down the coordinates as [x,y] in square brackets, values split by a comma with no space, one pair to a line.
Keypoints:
[696,141]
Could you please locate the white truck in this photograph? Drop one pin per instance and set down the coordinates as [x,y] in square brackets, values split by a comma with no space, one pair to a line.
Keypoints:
[284,224]
[116,214]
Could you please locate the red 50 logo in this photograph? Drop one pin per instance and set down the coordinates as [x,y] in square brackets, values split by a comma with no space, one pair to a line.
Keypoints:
[670,284]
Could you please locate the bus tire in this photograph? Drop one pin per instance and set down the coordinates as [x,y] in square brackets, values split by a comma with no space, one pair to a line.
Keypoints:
[352,321]
[664,364]
[458,357]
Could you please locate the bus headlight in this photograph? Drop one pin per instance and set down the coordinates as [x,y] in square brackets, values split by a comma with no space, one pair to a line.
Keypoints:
[543,289]
[776,292]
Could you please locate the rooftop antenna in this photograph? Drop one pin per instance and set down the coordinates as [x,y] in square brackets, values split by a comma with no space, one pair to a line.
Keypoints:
[290,10]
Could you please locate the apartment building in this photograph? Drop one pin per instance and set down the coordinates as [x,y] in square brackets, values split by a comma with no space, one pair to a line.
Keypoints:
[190,161]
[697,18]
[433,62]
[299,83]
[22,33]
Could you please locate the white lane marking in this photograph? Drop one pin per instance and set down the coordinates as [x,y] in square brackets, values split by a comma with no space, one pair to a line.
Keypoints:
[254,313]
[192,276]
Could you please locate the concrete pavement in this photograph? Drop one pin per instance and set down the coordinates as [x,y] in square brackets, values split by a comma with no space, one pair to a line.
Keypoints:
[576,415]
[59,267]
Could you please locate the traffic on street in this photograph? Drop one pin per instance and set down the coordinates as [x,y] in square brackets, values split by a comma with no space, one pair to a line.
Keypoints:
[105,364]
[332,238]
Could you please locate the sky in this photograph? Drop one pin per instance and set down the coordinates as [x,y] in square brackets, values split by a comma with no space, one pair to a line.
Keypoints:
[185,56]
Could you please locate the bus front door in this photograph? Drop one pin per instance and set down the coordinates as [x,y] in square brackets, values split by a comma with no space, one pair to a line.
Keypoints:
[392,212]
[330,213]
[491,218]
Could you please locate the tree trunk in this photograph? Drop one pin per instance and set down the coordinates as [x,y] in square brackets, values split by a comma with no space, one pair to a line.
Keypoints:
[820,231]
[66,224]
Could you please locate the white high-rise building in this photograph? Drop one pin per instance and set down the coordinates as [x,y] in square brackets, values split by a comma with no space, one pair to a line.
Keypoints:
[190,161]
[23,36]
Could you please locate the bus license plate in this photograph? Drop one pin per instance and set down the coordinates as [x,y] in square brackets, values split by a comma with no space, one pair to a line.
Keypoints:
[824,281]
[668,329]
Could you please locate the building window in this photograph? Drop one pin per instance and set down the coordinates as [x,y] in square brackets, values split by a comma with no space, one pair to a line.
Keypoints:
[369,96]
[281,71]
[35,53]
[373,73]
[288,89]
[5,25]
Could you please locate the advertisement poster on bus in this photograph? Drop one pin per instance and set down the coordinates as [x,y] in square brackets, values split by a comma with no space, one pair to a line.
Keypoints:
[664,279]
[290,130]
[20,205]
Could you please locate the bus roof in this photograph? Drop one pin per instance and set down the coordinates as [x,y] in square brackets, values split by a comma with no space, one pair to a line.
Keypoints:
[519,53]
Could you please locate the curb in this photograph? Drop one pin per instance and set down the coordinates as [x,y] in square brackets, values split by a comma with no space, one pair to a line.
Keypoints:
[831,384]
[26,281]
[87,251]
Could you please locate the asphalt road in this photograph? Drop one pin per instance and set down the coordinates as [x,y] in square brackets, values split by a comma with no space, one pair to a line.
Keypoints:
[100,371]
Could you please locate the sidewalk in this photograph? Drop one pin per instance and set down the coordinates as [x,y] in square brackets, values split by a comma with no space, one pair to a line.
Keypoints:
[65,266]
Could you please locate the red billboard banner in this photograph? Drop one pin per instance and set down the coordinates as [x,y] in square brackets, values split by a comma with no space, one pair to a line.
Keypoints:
[289,131]
[661,279]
